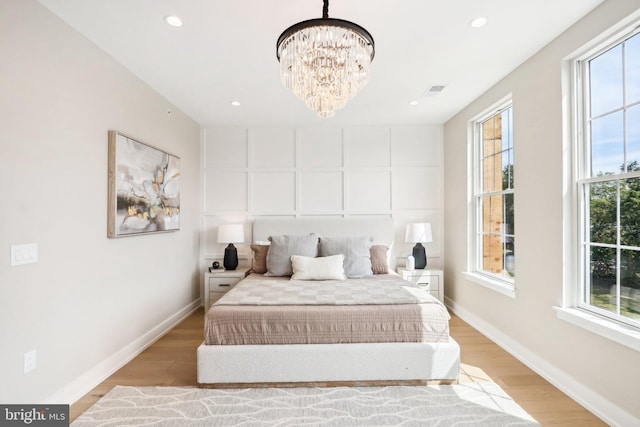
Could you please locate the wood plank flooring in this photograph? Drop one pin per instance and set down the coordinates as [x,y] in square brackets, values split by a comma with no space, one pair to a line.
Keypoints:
[482,359]
[171,361]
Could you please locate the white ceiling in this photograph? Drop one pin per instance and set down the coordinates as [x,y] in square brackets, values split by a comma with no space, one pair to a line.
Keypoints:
[226,51]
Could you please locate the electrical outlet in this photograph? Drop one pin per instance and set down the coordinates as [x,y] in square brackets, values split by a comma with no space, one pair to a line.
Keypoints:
[29,361]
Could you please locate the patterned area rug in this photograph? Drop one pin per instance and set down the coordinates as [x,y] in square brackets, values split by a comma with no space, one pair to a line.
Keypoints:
[473,404]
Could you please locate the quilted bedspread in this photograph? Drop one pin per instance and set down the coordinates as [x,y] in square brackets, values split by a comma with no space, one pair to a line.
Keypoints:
[379,289]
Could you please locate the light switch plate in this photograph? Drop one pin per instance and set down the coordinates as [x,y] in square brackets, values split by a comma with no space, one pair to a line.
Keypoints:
[24,254]
[30,361]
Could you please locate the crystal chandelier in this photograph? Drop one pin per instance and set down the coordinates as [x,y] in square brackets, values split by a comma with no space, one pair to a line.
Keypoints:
[325,62]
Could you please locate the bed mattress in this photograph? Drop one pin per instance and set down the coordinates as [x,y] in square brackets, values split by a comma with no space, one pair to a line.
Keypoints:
[379,309]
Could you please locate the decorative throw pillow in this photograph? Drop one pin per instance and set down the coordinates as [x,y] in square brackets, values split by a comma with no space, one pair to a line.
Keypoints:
[379,263]
[259,258]
[357,259]
[283,247]
[322,268]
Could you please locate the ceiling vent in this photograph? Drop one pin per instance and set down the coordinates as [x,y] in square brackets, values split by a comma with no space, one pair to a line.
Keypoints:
[433,90]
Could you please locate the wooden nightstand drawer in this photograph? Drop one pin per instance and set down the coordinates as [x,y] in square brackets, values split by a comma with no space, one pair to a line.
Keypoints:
[430,280]
[424,280]
[431,287]
[222,284]
[218,283]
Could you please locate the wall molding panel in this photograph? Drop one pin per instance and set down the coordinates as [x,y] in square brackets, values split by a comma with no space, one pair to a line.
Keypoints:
[360,171]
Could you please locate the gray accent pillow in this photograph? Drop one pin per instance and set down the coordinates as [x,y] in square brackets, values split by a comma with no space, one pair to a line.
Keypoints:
[357,258]
[281,249]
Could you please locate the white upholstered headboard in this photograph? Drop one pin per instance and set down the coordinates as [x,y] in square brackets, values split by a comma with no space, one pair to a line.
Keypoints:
[381,229]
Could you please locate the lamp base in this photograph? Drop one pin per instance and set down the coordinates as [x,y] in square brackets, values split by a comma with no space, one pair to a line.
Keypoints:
[230,260]
[420,255]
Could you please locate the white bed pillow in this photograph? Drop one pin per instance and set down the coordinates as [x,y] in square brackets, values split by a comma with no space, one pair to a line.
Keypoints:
[356,250]
[321,268]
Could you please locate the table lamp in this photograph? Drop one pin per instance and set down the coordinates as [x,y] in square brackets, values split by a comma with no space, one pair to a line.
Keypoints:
[418,233]
[230,233]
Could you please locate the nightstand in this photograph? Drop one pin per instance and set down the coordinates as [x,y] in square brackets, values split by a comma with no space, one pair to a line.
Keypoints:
[217,283]
[430,279]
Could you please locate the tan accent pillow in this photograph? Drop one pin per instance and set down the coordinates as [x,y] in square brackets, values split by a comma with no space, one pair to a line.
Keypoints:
[379,263]
[259,258]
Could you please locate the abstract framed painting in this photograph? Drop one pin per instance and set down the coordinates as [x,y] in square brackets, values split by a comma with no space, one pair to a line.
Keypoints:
[144,188]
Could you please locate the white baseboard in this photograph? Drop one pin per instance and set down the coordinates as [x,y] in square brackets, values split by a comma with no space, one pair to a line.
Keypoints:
[93,377]
[595,402]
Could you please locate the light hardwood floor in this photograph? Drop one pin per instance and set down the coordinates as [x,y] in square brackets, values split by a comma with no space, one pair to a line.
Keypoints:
[171,361]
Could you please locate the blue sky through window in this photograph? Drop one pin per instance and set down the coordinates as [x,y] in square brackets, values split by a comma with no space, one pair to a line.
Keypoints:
[615,121]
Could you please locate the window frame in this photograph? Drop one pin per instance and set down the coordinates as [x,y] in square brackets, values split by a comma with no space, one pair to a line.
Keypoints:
[475,271]
[584,178]
[568,311]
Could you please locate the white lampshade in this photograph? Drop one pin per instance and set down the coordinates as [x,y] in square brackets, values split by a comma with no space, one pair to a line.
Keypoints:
[418,232]
[231,233]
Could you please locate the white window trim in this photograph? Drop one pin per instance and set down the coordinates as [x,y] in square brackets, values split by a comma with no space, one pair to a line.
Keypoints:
[497,284]
[570,312]
[602,326]
[490,283]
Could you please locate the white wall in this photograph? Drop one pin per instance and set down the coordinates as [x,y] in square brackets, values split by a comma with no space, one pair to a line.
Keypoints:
[89,301]
[599,373]
[385,171]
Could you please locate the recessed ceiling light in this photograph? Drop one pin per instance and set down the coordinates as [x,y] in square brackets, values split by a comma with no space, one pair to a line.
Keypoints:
[413,103]
[173,20]
[235,103]
[478,22]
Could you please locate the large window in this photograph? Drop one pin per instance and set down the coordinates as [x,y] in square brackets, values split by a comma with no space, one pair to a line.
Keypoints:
[493,230]
[609,181]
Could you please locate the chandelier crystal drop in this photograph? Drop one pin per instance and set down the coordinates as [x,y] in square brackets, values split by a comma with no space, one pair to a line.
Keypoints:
[325,62]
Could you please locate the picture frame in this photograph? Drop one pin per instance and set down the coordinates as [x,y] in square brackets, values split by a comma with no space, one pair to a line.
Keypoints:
[144,188]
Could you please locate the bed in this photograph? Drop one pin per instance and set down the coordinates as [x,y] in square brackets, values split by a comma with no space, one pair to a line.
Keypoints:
[335,331]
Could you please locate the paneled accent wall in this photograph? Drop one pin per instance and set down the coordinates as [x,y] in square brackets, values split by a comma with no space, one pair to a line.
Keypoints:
[310,172]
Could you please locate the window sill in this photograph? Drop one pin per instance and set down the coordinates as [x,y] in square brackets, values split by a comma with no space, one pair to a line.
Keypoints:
[493,284]
[624,335]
